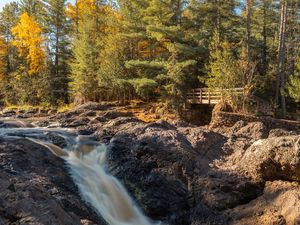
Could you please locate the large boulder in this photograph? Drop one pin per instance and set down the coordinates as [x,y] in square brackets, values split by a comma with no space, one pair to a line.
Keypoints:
[94,106]
[170,170]
[273,159]
[279,205]
[253,131]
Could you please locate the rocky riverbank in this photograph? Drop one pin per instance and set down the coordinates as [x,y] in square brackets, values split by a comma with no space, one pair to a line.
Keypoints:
[248,173]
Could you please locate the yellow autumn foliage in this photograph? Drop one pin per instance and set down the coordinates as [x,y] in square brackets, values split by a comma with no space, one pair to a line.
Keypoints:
[29,41]
[74,12]
[3,55]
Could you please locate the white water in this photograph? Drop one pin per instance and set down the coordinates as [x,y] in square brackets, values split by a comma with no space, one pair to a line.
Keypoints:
[86,160]
[104,192]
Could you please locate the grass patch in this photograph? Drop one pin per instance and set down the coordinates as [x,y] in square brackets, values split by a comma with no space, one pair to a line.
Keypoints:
[27,107]
[65,107]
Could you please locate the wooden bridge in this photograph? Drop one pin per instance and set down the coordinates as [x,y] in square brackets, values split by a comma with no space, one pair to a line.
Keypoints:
[206,96]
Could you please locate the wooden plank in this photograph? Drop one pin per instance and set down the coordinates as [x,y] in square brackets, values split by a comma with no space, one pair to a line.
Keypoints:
[210,96]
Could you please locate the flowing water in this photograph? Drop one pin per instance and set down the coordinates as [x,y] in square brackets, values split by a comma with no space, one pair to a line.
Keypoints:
[86,160]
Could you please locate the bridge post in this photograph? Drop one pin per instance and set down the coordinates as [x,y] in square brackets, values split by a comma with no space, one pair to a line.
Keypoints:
[194,95]
[201,96]
[209,96]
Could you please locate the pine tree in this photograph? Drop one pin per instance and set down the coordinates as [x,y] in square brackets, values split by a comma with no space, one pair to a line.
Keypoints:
[76,11]
[142,59]
[293,85]
[202,20]
[57,32]
[9,17]
[280,84]
[264,29]
[293,27]
[166,21]
[223,68]
[112,57]
[86,61]
[34,8]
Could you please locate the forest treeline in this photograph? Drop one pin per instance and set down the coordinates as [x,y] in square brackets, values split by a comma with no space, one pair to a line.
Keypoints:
[54,52]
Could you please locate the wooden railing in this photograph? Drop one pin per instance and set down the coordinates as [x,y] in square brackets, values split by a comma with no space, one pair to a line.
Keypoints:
[210,96]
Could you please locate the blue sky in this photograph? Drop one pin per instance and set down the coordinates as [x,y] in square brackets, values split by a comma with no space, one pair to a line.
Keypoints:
[3,2]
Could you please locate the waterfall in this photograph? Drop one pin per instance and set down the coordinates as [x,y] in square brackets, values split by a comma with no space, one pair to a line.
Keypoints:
[86,162]
[104,192]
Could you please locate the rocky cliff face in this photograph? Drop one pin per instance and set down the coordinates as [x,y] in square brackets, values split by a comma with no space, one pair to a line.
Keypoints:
[247,173]
[35,187]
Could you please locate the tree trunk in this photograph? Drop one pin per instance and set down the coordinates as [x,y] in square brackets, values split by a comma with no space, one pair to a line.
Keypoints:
[248,27]
[218,21]
[77,16]
[293,34]
[264,34]
[249,7]
[281,59]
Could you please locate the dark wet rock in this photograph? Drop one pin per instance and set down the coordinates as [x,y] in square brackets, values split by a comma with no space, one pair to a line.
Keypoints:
[115,114]
[36,188]
[93,106]
[170,171]
[52,112]
[86,130]
[21,111]
[43,111]
[8,113]
[32,111]
[208,144]
[220,190]
[56,140]
[27,115]
[158,195]
[203,215]
[42,123]
[10,124]
[78,122]
[22,116]
[100,119]
[187,175]
[89,113]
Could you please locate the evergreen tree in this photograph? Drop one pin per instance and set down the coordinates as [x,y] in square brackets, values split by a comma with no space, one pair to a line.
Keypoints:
[59,49]
[86,60]
[3,68]
[203,19]
[34,8]
[166,21]
[9,17]
[112,73]
[223,68]
[281,76]
[293,85]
